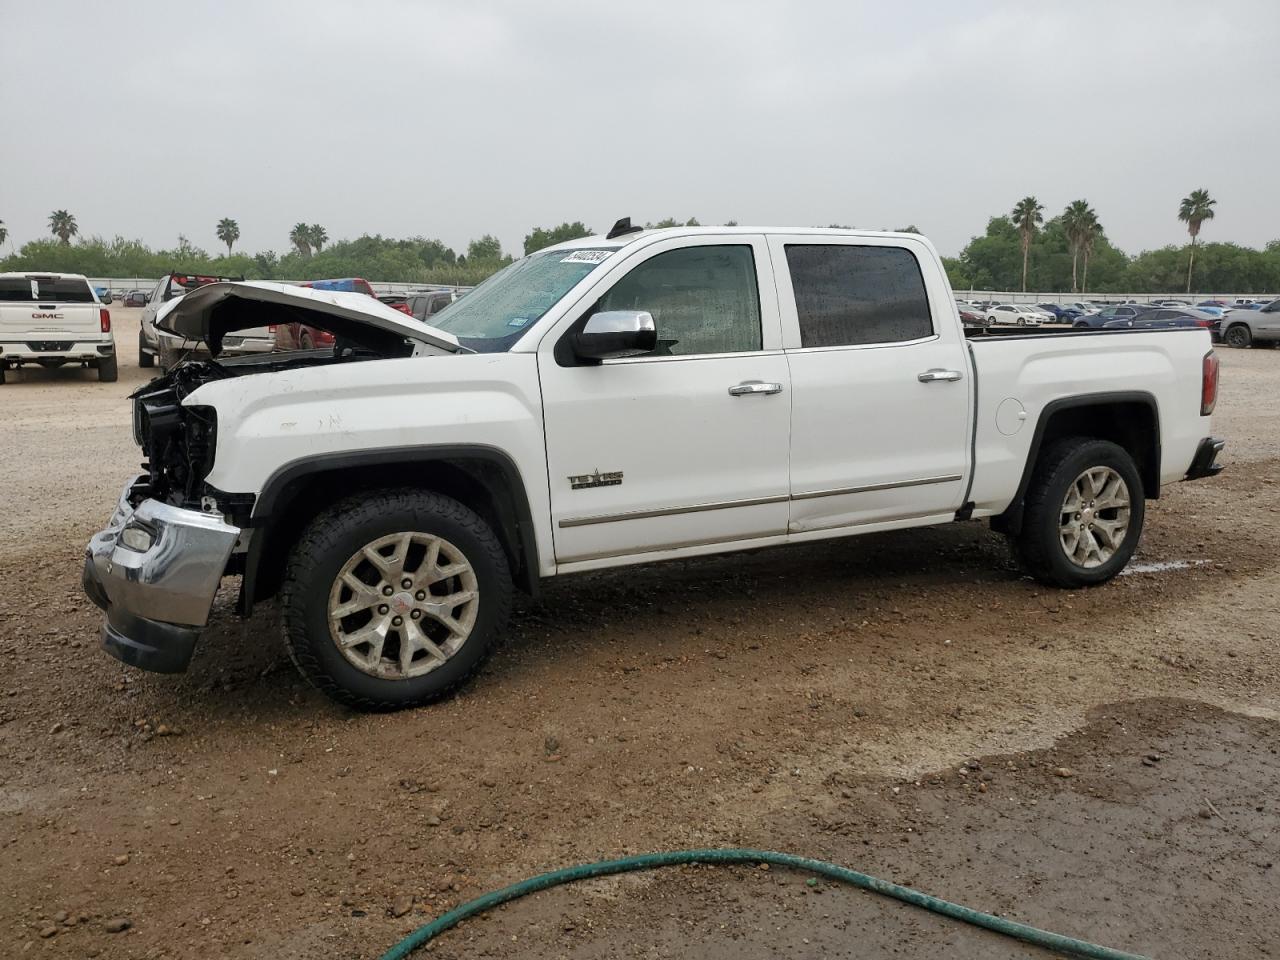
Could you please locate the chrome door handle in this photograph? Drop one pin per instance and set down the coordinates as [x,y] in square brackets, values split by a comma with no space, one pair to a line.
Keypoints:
[748,387]
[938,375]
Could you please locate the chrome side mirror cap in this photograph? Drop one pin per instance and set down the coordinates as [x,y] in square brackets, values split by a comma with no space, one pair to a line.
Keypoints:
[616,333]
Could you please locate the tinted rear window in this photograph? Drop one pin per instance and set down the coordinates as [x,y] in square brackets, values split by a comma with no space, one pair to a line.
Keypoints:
[849,295]
[44,290]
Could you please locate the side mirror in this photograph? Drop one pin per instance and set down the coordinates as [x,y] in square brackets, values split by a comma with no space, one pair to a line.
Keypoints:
[616,333]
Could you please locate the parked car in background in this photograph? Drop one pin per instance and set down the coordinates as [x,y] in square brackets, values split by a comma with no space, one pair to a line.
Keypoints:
[155,346]
[104,294]
[424,305]
[1107,314]
[52,319]
[1163,318]
[1212,303]
[1085,307]
[134,298]
[1062,314]
[1018,314]
[1243,328]
[1170,303]
[298,336]
[396,301]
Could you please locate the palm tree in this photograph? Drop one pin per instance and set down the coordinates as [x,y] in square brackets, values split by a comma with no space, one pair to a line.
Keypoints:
[63,225]
[1195,210]
[1090,230]
[1027,217]
[228,232]
[300,237]
[318,236]
[1074,221]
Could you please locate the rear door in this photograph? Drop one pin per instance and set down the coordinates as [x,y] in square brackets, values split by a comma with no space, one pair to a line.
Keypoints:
[880,398]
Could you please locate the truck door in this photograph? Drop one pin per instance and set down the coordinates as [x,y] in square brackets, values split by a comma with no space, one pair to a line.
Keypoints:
[685,447]
[881,401]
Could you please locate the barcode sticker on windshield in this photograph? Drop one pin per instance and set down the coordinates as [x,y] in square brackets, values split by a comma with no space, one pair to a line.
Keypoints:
[588,256]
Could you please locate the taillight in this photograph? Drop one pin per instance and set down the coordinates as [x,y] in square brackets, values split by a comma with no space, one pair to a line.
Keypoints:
[1208,384]
[104,318]
[271,328]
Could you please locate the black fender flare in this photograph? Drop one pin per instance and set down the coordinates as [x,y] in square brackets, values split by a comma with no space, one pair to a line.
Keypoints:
[1011,520]
[268,504]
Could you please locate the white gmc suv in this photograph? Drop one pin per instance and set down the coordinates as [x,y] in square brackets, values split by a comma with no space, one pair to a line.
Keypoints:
[52,319]
[640,396]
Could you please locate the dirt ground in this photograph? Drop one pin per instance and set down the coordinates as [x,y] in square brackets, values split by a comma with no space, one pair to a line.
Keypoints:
[1100,763]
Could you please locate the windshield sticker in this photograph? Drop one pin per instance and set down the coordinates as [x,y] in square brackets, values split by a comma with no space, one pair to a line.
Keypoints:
[588,256]
[517,321]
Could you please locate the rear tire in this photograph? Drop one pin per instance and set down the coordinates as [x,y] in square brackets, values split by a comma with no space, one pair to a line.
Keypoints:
[108,369]
[146,359]
[1083,513]
[448,639]
[1238,336]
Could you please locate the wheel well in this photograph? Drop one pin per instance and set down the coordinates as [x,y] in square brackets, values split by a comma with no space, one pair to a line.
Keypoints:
[487,483]
[1129,421]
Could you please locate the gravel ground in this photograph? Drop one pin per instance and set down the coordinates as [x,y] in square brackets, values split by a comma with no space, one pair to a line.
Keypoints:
[905,704]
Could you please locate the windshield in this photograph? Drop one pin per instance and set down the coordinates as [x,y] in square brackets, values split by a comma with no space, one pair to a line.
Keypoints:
[495,314]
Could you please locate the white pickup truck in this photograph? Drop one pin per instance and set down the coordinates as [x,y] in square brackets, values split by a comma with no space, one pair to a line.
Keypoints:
[52,319]
[640,396]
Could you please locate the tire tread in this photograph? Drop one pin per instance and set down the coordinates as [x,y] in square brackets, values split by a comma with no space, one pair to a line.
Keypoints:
[323,534]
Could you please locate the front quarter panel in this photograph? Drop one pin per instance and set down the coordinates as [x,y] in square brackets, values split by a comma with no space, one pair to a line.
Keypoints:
[268,421]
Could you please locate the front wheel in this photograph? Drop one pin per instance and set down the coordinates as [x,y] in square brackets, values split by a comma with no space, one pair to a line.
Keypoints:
[1238,336]
[146,359]
[394,598]
[1083,513]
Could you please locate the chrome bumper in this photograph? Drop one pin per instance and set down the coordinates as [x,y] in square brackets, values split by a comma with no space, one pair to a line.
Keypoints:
[156,598]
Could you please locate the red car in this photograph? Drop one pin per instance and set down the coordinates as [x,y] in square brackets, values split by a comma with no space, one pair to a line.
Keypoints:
[299,336]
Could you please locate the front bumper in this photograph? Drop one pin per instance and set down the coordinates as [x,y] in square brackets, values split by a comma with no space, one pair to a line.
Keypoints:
[157,599]
[54,348]
[1205,464]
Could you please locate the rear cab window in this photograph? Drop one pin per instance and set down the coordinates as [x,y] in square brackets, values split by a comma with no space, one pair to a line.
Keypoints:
[45,290]
[851,295]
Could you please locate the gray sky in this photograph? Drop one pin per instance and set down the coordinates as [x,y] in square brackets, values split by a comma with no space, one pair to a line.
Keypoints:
[452,119]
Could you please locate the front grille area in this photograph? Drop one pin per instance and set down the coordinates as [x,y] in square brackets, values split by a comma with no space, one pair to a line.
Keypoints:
[50,346]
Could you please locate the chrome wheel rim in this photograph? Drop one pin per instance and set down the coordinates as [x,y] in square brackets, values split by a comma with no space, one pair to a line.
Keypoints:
[403,605]
[1095,517]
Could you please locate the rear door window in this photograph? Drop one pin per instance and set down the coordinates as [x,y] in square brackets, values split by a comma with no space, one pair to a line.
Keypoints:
[850,295]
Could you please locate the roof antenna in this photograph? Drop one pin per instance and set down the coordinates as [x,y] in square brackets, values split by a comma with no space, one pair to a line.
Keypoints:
[621,228]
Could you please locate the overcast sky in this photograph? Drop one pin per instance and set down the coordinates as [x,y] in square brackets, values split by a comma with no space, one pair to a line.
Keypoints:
[452,119]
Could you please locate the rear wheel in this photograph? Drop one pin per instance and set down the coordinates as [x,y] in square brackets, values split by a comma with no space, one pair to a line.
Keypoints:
[394,598]
[1083,513]
[1238,336]
[108,369]
[146,359]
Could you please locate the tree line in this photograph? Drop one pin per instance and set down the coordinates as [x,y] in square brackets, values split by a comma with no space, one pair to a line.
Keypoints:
[1068,252]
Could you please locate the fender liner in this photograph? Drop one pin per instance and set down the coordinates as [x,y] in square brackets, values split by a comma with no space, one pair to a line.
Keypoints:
[523,543]
[1011,520]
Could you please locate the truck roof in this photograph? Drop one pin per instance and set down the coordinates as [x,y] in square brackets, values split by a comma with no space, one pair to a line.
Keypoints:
[45,274]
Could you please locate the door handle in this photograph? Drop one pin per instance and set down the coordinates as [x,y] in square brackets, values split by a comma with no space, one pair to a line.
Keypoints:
[747,387]
[938,375]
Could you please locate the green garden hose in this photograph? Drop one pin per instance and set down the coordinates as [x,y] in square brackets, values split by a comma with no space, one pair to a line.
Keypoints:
[649,861]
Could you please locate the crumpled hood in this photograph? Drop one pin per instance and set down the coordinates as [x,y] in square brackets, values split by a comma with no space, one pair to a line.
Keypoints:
[211,311]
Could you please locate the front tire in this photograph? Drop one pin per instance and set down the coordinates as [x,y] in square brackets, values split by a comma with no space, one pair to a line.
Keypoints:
[394,598]
[1083,513]
[146,359]
[1238,336]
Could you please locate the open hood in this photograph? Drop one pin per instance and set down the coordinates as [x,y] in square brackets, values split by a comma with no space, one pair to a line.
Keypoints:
[212,311]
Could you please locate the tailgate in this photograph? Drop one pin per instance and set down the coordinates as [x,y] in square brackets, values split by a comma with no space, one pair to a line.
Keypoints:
[48,308]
